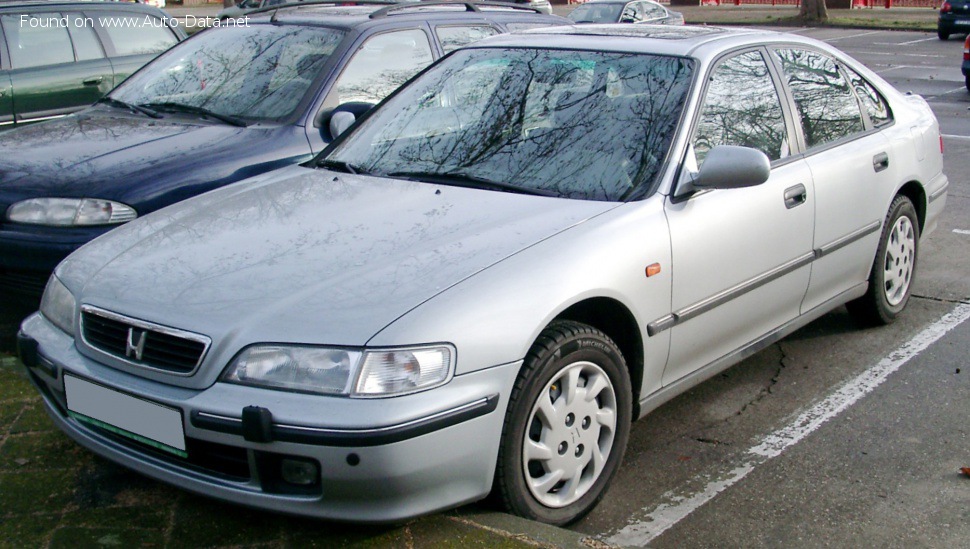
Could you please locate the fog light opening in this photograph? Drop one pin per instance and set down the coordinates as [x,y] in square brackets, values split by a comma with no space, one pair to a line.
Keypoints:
[299,472]
[353,460]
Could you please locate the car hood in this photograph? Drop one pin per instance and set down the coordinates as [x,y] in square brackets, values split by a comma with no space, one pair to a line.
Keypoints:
[309,256]
[99,152]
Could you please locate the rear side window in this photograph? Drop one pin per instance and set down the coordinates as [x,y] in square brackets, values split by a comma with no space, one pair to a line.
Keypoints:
[454,37]
[86,44]
[37,40]
[382,64]
[826,104]
[742,108]
[136,34]
[872,101]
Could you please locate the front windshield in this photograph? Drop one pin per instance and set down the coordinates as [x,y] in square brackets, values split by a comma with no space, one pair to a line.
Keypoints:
[577,124]
[256,72]
[597,12]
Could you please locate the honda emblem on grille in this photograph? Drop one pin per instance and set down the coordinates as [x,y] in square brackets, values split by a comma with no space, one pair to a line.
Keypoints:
[136,343]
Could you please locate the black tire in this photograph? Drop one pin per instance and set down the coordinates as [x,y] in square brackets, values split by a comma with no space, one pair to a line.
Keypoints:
[564,349]
[967,78]
[898,255]
[943,34]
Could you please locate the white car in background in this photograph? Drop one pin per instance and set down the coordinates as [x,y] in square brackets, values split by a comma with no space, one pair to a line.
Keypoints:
[538,240]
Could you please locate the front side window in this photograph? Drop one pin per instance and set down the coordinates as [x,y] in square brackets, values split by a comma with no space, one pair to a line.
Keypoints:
[381,65]
[136,34]
[742,108]
[259,72]
[37,40]
[827,106]
[454,37]
[597,12]
[576,124]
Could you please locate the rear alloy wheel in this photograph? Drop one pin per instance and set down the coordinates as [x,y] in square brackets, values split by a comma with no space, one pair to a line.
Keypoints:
[943,34]
[567,425]
[891,278]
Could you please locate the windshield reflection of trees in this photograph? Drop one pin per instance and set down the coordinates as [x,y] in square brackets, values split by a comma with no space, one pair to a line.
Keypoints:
[580,124]
[826,104]
[264,75]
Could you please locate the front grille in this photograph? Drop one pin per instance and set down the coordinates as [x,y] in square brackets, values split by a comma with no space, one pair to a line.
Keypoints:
[27,285]
[142,343]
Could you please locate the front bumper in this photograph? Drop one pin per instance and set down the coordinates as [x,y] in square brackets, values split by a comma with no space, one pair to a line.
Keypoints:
[29,253]
[389,467]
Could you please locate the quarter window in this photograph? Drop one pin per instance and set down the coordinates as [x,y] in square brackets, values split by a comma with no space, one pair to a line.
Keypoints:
[873,103]
[826,105]
[136,35]
[452,38]
[86,44]
[37,40]
[742,108]
[381,65]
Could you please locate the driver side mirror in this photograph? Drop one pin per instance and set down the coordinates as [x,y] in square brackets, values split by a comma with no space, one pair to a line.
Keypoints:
[729,167]
[340,121]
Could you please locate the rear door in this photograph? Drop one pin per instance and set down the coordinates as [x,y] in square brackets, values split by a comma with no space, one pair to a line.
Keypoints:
[46,78]
[741,257]
[852,168]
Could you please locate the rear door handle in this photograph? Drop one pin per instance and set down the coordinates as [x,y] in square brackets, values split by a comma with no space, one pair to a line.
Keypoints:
[880,162]
[94,81]
[795,196]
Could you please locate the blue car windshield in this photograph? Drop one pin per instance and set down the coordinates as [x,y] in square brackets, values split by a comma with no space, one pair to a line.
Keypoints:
[576,124]
[255,73]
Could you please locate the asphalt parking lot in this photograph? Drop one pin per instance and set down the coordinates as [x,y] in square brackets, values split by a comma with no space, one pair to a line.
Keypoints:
[835,436]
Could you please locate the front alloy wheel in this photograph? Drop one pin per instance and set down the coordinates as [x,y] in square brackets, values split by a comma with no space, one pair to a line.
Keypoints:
[567,425]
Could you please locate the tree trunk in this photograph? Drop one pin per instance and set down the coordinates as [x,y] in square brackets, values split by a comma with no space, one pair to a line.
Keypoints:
[814,11]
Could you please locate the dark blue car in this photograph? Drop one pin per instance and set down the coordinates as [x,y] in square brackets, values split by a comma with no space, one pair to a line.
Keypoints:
[229,103]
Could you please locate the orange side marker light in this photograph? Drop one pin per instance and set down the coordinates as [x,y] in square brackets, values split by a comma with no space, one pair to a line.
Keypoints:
[653,269]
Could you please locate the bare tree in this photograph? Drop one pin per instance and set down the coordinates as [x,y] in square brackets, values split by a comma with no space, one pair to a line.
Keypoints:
[813,10]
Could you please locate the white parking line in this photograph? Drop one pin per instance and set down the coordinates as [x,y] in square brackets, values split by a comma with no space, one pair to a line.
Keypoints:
[851,36]
[961,231]
[674,507]
[915,41]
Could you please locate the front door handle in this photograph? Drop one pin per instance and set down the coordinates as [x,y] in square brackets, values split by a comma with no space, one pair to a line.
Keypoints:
[795,196]
[94,81]
[880,162]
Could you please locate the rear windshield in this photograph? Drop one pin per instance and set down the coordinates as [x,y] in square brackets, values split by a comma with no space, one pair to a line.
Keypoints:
[576,124]
[256,72]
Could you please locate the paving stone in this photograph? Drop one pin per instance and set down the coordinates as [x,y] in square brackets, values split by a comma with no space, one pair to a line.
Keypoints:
[27,530]
[9,411]
[44,450]
[35,491]
[14,385]
[441,532]
[33,419]
[74,537]
[310,533]
[118,518]
[202,522]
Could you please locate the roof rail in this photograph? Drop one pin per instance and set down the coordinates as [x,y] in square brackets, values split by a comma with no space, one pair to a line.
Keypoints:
[301,3]
[469,6]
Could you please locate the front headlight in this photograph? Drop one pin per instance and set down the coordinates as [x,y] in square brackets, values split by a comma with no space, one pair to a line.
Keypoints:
[58,305]
[332,371]
[70,212]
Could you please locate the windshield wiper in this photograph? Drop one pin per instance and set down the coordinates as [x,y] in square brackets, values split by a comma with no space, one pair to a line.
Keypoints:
[192,109]
[340,166]
[136,108]
[459,179]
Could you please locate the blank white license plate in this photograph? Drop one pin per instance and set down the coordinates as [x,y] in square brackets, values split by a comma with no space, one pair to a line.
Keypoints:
[147,422]
[962,23]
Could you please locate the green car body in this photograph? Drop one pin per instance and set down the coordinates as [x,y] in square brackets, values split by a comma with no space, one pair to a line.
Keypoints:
[59,57]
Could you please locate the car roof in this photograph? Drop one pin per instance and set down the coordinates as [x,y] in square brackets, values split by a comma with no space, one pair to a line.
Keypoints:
[365,12]
[687,40]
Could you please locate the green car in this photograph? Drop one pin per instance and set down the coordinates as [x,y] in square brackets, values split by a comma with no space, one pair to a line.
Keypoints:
[59,57]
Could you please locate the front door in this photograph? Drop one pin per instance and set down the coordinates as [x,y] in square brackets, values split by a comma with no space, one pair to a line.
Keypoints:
[741,257]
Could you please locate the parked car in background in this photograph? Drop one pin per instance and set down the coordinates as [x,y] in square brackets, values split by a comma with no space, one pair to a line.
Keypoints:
[954,18]
[60,57]
[248,6]
[226,104]
[637,11]
[541,238]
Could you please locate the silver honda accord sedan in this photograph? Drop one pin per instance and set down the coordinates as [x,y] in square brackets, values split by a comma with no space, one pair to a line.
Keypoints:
[481,284]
